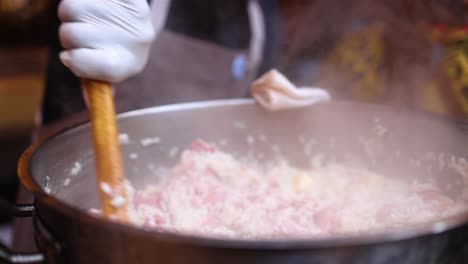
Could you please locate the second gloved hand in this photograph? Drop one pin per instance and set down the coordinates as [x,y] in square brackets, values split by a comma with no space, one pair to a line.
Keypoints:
[274,92]
[107,40]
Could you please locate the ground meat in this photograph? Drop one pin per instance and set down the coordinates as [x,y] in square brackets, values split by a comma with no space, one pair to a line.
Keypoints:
[210,193]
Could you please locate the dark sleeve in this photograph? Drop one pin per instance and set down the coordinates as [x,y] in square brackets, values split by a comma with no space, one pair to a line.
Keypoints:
[62,95]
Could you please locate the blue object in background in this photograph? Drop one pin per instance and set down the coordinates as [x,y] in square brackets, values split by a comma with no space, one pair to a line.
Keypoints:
[239,67]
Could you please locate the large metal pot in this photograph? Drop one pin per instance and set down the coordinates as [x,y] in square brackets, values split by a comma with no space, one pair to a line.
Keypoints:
[67,234]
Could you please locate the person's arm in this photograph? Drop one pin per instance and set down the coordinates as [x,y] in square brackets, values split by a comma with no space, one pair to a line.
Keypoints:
[159,13]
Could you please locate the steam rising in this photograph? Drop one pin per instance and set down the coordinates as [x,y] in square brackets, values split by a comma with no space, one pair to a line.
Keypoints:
[380,52]
[414,148]
[326,40]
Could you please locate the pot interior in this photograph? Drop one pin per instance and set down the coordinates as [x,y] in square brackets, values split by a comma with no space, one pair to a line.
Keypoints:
[393,143]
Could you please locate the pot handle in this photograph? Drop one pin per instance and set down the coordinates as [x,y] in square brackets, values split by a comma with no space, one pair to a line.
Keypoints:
[16,210]
[7,255]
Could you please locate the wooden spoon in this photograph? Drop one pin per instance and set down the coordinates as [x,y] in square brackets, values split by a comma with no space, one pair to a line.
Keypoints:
[112,186]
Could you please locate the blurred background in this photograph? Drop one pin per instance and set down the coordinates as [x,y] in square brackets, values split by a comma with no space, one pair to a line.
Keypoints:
[409,54]
[412,54]
[23,60]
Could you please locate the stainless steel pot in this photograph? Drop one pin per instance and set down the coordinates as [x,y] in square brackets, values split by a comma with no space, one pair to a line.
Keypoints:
[393,142]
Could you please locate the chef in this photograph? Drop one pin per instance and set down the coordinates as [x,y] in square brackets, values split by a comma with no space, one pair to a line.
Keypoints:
[206,50]
[158,53]
[124,42]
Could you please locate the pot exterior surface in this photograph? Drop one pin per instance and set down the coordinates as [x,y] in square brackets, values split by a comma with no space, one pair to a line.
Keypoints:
[82,243]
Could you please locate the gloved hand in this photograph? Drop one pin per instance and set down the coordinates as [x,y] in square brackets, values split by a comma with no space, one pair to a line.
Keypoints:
[273,91]
[107,40]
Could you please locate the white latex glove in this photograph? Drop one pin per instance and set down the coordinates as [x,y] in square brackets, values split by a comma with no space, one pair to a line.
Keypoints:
[275,92]
[107,40]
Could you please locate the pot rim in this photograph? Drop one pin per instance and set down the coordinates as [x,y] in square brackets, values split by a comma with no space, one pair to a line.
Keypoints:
[390,235]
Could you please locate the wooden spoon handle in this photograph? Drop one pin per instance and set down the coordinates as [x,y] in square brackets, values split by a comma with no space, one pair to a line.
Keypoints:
[110,171]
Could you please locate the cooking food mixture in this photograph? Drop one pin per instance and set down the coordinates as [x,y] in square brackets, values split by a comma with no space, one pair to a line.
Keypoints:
[210,193]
